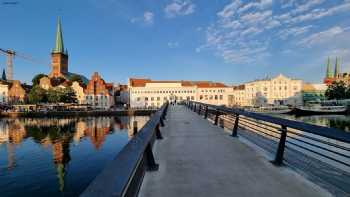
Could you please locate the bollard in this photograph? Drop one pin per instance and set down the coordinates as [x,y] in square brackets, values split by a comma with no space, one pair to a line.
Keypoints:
[235,126]
[151,164]
[135,128]
[281,145]
[216,117]
[158,133]
[206,112]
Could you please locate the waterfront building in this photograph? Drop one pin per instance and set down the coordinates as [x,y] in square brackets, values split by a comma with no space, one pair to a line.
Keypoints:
[98,93]
[45,83]
[313,92]
[4,88]
[279,90]
[337,75]
[79,92]
[151,93]
[16,93]
[121,94]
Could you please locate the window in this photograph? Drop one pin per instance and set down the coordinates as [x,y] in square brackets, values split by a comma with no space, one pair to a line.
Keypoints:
[221,97]
[192,98]
[216,97]
[211,97]
[146,98]
[158,98]
[152,98]
[201,97]
[138,99]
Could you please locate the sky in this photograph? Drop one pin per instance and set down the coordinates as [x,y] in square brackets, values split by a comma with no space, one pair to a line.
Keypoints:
[231,41]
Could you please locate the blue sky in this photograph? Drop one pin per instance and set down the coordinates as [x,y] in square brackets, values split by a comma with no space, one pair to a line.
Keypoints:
[232,41]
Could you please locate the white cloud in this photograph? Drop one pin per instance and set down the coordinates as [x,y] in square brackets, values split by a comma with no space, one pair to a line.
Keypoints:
[173,45]
[147,18]
[245,30]
[322,36]
[179,8]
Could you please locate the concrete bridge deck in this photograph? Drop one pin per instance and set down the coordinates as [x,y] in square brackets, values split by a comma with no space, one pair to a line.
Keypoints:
[197,158]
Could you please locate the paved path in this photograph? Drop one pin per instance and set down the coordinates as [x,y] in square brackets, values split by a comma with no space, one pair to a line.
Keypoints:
[199,159]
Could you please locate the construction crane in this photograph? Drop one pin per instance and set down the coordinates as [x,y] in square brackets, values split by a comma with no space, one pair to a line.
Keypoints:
[10,54]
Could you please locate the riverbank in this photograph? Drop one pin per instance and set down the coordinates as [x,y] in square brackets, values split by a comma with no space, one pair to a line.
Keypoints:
[130,112]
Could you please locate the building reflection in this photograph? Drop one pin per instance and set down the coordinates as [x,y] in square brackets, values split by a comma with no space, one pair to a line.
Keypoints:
[58,134]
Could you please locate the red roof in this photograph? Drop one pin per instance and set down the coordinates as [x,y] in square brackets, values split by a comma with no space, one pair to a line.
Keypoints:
[199,84]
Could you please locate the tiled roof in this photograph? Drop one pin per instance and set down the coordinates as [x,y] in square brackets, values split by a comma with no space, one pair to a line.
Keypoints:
[200,84]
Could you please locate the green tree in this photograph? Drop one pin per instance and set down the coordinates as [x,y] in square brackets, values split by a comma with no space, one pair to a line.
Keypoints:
[54,95]
[37,95]
[68,96]
[337,90]
[36,79]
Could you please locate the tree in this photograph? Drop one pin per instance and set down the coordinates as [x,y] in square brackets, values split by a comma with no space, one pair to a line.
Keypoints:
[36,79]
[3,77]
[69,96]
[37,95]
[54,95]
[57,81]
[337,90]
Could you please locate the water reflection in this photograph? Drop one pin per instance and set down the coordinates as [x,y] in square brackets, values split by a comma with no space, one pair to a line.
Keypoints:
[66,140]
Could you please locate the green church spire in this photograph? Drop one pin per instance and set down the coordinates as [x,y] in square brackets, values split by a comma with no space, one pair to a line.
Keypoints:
[329,73]
[59,47]
[336,69]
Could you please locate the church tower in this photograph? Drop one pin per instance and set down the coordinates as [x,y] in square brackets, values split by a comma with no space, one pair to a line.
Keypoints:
[336,69]
[59,57]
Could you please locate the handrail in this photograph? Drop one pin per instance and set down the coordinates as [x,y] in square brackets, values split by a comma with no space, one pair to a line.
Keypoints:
[285,127]
[123,176]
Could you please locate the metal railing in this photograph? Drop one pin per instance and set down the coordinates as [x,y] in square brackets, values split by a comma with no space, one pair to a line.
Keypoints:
[326,144]
[123,176]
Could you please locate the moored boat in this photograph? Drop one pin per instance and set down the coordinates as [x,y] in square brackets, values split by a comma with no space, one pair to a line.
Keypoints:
[315,110]
[272,110]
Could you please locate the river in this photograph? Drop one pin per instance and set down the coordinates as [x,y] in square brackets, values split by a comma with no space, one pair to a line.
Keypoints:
[61,156]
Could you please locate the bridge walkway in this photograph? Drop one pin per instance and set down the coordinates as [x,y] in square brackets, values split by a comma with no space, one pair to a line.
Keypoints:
[197,158]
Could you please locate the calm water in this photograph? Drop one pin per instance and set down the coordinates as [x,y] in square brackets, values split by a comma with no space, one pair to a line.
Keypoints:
[334,121]
[58,157]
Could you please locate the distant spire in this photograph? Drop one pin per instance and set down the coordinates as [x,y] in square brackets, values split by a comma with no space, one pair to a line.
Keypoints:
[59,47]
[336,69]
[3,77]
[329,73]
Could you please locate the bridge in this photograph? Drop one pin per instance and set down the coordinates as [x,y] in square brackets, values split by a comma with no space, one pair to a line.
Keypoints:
[204,150]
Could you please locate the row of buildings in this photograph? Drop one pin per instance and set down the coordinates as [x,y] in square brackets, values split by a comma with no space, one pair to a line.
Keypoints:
[279,90]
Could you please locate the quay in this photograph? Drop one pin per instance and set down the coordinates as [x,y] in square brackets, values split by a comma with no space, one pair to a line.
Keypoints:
[202,150]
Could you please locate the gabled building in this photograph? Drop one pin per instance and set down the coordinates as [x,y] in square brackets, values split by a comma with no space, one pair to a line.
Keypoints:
[98,93]
[79,92]
[17,93]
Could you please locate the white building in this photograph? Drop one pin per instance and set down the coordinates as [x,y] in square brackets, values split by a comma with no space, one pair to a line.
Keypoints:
[79,92]
[150,93]
[4,88]
[279,90]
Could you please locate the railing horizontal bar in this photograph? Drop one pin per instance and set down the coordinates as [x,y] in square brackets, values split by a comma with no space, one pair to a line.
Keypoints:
[260,131]
[320,147]
[323,155]
[274,131]
[319,140]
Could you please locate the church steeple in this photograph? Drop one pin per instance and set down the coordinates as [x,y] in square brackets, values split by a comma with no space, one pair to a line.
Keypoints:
[329,73]
[336,69]
[59,47]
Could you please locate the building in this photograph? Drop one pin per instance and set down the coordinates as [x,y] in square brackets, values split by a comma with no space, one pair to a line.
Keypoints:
[79,92]
[121,94]
[98,93]
[16,93]
[279,90]
[151,93]
[313,92]
[4,88]
[337,75]
[59,63]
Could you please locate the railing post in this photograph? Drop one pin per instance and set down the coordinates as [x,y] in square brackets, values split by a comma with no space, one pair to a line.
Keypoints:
[216,117]
[199,109]
[235,126]
[158,133]
[281,145]
[151,164]
[161,122]
[194,108]
[135,128]
[206,112]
